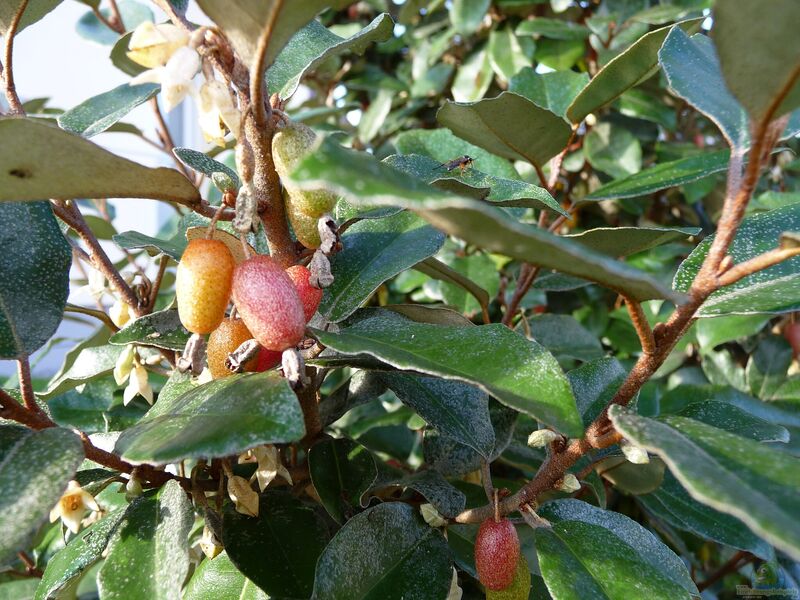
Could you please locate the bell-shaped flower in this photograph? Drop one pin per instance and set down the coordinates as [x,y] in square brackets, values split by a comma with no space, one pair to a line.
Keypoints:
[153,45]
[217,112]
[120,313]
[138,385]
[175,77]
[244,497]
[269,465]
[124,365]
[73,506]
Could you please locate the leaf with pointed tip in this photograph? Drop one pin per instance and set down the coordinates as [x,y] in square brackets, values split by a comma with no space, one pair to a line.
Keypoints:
[133,240]
[554,91]
[100,112]
[162,329]
[729,417]
[202,163]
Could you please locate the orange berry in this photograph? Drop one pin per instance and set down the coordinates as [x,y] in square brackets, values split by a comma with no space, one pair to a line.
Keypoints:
[226,338]
[496,553]
[309,295]
[203,284]
[268,303]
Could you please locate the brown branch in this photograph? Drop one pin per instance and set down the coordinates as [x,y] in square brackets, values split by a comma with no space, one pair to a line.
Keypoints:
[486,480]
[26,386]
[116,22]
[8,55]
[641,325]
[527,275]
[736,562]
[162,268]
[262,109]
[102,18]
[757,263]
[168,144]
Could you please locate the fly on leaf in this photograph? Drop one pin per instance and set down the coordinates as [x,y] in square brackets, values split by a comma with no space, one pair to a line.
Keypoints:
[462,162]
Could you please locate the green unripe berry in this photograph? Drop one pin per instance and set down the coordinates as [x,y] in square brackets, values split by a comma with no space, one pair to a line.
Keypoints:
[520,586]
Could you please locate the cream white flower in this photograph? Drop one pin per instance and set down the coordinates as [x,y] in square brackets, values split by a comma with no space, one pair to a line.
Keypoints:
[138,385]
[152,45]
[217,112]
[72,506]
[120,313]
[244,497]
[175,77]
[269,465]
[124,365]
[432,516]
[455,592]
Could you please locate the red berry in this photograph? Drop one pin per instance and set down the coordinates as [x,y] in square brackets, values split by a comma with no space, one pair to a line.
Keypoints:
[267,359]
[268,303]
[496,553]
[309,295]
[792,334]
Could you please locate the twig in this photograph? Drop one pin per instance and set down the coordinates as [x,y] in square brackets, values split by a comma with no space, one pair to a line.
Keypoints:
[102,18]
[486,480]
[8,55]
[166,139]
[30,566]
[96,313]
[26,386]
[262,111]
[527,275]
[641,325]
[162,268]
[733,565]
[757,263]
[116,17]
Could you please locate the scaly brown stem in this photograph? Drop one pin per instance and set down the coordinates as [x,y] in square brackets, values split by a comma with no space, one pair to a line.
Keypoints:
[162,268]
[8,56]
[26,385]
[757,263]
[641,326]
[262,109]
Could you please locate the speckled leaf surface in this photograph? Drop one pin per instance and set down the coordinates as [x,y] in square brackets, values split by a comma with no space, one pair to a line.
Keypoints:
[773,290]
[509,125]
[362,179]
[90,364]
[376,250]
[77,556]
[202,163]
[554,91]
[35,467]
[387,551]
[457,410]
[133,240]
[518,372]
[219,579]
[38,160]
[673,504]
[564,337]
[314,44]
[34,276]
[597,547]
[726,472]
[431,485]
[624,71]
[148,557]
[341,471]
[729,417]
[100,112]
[278,549]
[161,329]
[622,241]
[226,416]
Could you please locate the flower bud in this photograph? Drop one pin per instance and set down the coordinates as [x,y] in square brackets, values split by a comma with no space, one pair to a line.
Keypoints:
[635,454]
[569,484]
[542,438]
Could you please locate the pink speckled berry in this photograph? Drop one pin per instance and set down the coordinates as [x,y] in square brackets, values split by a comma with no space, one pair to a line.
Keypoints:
[203,284]
[496,553]
[309,295]
[268,303]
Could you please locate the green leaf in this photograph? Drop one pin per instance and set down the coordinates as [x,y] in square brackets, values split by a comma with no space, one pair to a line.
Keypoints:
[100,112]
[34,11]
[219,579]
[466,15]
[133,14]
[430,484]
[630,478]
[729,417]
[119,57]
[624,71]
[243,22]
[473,77]
[278,549]
[457,285]
[91,363]
[713,332]
[613,150]
[312,45]
[455,409]
[224,417]
[734,475]
[594,553]
[663,175]
[362,387]
[34,277]
[342,471]
[773,290]
[760,55]
[554,91]
[693,73]
[376,250]
[362,179]
[39,161]
[509,125]
[506,54]
[767,367]
[94,410]
[556,29]
[133,240]
[387,551]
[624,241]
[518,372]
[559,54]
[565,337]
[202,163]
[161,329]
[594,384]
[35,467]
[77,557]
[148,557]
[673,504]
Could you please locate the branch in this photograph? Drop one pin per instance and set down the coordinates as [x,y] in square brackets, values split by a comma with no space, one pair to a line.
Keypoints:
[26,386]
[162,268]
[641,326]
[166,140]
[737,561]
[8,54]
[261,109]
[757,263]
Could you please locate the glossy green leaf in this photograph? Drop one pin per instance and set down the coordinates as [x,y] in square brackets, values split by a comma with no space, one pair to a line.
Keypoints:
[629,478]
[342,471]
[91,363]
[723,415]
[376,250]
[594,384]
[455,409]
[673,504]
[773,290]
[278,549]
[35,467]
[34,277]
[148,557]
[34,11]
[459,290]
[760,54]
[725,471]
[375,116]
[364,180]
[161,329]
[624,241]
[713,332]
[100,112]
[133,240]
[362,387]
[506,54]
[613,150]
[387,551]
[553,28]
[119,57]
[431,485]
[77,557]
[202,163]
[95,409]
[564,337]
[624,71]
[559,54]
[554,91]
[224,417]
[219,579]
[466,15]
[243,22]
[768,366]
[518,372]
[663,175]
[314,44]
[509,125]
[38,160]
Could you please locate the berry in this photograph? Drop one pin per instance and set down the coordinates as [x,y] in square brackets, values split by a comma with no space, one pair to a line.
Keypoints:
[226,338]
[203,284]
[792,334]
[304,226]
[268,359]
[496,553]
[309,295]
[520,587]
[268,303]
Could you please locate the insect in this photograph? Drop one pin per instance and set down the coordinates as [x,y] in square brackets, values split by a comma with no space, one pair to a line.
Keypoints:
[462,162]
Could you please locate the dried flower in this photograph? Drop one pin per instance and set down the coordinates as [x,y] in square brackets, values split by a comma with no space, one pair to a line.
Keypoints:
[269,465]
[244,497]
